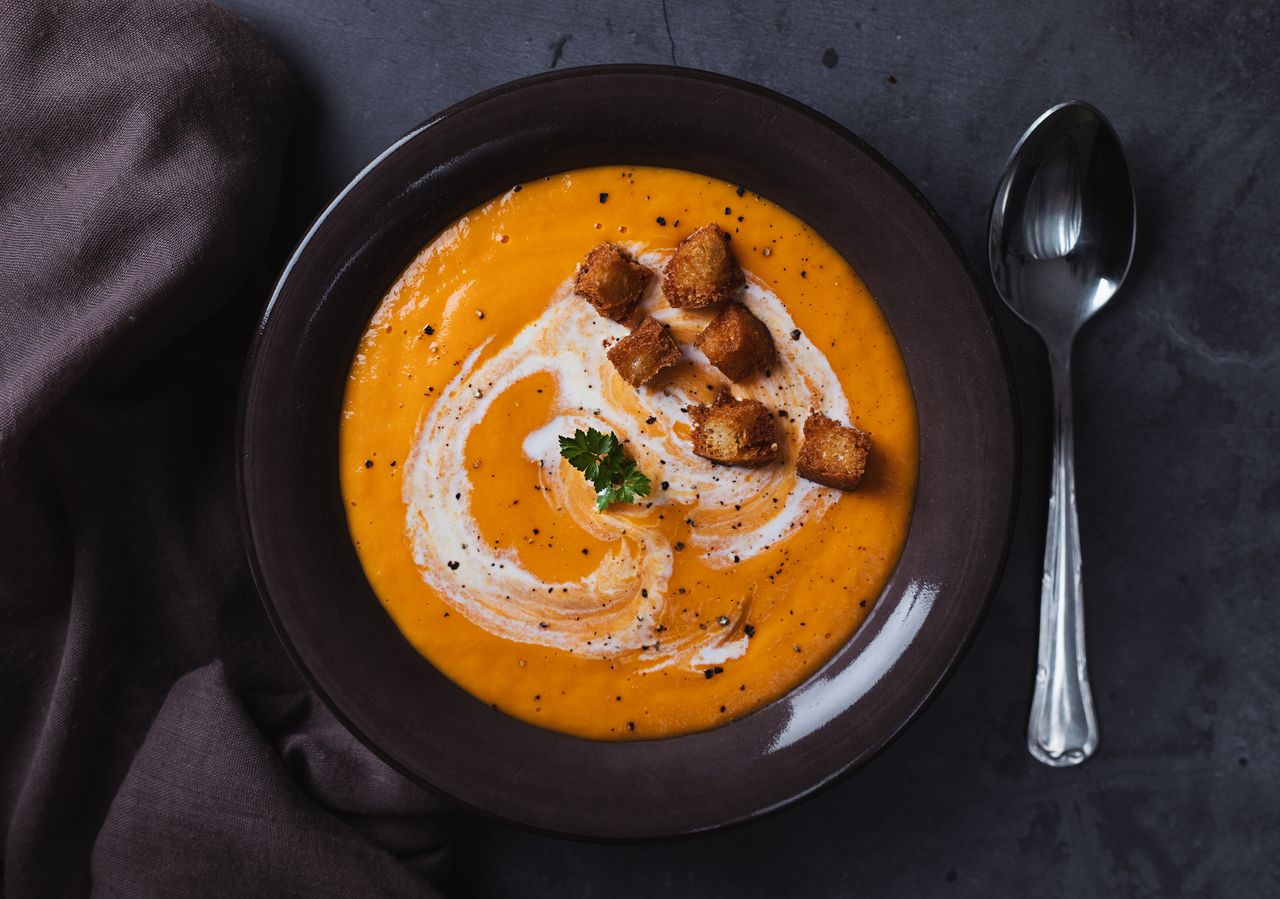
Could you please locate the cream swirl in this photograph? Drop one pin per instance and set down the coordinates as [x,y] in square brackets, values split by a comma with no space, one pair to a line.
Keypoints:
[740,512]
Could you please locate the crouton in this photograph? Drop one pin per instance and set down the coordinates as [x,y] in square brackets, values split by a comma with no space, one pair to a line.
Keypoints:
[612,282]
[737,343]
[644,352]
[833,454]
[735,432]
[702,270]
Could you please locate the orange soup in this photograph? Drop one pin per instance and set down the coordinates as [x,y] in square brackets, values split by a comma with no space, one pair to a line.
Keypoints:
[724,587]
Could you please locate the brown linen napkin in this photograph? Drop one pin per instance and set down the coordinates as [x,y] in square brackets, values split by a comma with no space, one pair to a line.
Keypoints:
[140,151]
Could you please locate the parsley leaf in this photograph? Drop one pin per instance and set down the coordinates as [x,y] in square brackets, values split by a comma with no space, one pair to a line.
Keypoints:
[586,451]
[633,484]
[602,460]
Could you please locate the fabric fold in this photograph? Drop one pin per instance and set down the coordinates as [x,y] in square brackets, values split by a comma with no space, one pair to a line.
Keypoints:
[210,808]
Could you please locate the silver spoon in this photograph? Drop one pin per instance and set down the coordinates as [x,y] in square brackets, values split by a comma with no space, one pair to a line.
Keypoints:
[1060,242]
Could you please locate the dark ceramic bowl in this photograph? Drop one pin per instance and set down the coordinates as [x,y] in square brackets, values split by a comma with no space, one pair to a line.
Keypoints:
[411,714]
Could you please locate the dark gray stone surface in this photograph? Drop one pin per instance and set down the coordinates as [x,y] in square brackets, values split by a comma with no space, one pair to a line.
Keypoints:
[1177,398]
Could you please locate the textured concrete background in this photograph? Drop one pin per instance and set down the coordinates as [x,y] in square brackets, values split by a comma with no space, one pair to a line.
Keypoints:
[1178,405]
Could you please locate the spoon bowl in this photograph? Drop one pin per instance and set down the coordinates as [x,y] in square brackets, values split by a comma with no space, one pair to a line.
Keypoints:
[1063,222]
[1062,233]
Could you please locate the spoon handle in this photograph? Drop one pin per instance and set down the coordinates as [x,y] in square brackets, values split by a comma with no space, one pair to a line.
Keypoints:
[1063,730]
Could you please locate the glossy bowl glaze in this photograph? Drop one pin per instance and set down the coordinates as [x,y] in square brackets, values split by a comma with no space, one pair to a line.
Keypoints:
[418,720]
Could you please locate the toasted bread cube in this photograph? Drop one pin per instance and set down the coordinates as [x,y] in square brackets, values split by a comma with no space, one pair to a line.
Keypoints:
[702,270]
[735,432]
[833,454]
[612,282]
[737,343]
[644,352]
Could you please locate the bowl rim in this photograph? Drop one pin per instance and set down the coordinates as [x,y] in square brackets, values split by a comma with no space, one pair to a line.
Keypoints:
[1005,524]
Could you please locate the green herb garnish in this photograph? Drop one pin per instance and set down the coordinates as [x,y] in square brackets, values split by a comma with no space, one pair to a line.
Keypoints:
[603,462]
